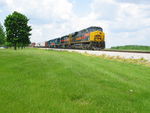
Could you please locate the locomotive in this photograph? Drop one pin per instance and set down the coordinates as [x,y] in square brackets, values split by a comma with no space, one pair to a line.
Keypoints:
[90,38]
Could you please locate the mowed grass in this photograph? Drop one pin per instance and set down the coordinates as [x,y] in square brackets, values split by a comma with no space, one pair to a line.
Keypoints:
[44,81]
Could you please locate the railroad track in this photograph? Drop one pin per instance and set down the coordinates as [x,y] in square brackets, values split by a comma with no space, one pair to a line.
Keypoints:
[123,54]
[127,51]
[108,50]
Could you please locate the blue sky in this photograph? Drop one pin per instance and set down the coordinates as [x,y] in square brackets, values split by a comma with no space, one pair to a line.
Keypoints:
[125,22]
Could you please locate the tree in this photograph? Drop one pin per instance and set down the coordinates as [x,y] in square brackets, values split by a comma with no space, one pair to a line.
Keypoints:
[17,30]
[2,35]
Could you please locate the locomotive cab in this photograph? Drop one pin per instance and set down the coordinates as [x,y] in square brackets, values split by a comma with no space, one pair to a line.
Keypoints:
[97,36]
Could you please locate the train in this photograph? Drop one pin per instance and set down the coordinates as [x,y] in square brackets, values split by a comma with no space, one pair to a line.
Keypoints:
[90,38]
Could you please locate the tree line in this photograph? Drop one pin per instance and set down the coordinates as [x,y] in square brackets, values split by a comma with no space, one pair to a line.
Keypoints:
[17,31]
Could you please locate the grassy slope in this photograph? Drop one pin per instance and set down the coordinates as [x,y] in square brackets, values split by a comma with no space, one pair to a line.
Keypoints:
[132,47]
[41,81]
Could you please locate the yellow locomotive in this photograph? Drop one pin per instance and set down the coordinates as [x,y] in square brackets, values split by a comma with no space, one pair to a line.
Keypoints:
[90,38]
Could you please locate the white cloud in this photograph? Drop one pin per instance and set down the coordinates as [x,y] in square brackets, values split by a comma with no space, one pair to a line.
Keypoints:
[125,38]
[60,9]
[123,23]
[58,13]
[105,9]
[126,23]
[135,1]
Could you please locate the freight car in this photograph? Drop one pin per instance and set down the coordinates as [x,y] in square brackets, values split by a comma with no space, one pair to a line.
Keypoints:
[41,44]
[33,44]
[90,38]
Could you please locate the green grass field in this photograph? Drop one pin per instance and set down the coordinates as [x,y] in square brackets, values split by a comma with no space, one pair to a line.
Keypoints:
[43,81]
[132,47]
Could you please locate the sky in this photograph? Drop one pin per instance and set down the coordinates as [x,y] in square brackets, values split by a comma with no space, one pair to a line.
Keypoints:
[125,22]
